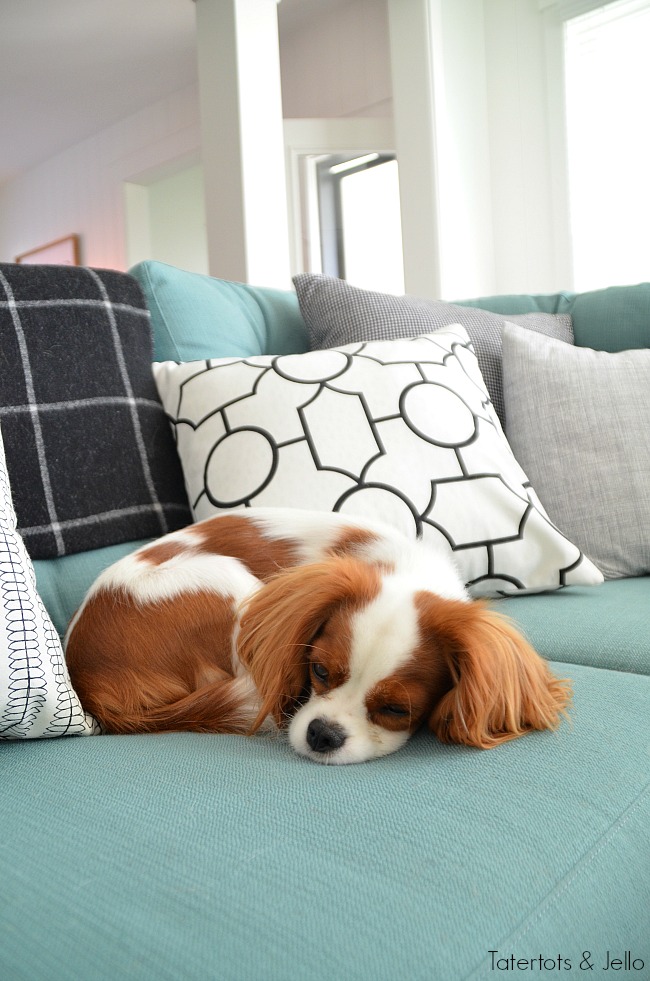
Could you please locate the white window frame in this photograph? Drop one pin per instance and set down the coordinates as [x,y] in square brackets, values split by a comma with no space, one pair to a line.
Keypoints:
[306,138]
[555,13]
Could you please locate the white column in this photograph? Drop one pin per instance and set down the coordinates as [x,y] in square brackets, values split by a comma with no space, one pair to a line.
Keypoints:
[412,36]
[242,141]
[441,121]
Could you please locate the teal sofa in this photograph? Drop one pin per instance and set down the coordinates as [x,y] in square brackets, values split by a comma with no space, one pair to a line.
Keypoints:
[223,858]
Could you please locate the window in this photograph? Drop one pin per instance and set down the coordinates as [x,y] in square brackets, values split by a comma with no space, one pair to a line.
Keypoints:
[608,140]
[359,225]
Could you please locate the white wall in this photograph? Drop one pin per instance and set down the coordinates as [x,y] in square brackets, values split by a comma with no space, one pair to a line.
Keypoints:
[502,201]
[481,159]
[166,220]
[502,206]
[338,64]
[81,189]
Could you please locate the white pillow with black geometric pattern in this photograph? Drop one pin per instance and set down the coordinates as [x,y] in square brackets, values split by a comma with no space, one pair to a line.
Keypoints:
[398,430]
[36,697]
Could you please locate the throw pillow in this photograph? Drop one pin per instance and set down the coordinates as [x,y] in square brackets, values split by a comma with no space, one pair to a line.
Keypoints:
[193,314]
[36,697]
[579,424]
[336,313]
[399,430]
[89,453]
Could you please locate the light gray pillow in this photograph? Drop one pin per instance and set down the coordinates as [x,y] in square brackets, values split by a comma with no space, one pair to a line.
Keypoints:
[336,314]
[579,425]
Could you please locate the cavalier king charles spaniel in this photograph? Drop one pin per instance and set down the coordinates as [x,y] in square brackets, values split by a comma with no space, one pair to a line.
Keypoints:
[340,629]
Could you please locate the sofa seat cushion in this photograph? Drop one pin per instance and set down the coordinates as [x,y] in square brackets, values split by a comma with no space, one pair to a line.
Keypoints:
[606,627]
[213,857]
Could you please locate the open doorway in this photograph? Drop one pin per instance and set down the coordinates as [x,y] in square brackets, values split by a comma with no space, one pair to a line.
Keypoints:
[165,217]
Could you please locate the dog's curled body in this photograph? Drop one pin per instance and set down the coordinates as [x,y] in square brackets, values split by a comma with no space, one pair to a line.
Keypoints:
[341,629]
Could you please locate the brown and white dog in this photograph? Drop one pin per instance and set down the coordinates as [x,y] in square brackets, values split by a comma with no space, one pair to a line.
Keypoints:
[343,629]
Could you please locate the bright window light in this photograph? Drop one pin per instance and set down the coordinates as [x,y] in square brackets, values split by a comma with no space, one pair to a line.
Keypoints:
[608,138]
[372,231]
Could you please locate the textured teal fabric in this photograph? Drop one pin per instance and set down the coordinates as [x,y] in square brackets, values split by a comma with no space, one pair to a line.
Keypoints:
[191,858]
[195,316]
[613,319]
[62,582]
[523,303]
[605,626]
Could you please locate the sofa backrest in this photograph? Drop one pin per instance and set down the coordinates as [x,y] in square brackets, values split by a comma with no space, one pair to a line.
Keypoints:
[195,316]
[612,319]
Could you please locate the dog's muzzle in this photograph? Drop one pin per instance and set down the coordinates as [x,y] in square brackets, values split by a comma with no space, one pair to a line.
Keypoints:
[324,736]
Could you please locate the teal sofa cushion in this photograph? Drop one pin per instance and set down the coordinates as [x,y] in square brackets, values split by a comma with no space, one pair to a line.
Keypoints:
[604,626]
[612,319]
[217,858]
[195,316]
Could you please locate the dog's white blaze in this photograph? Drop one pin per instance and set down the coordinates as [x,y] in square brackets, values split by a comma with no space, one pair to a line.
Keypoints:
[384,636]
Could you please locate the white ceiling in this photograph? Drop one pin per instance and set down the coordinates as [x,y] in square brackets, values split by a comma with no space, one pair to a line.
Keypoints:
[70,68]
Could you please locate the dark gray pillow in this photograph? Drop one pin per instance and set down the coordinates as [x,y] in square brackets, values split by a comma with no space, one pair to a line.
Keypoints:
[336,313]
[89,450]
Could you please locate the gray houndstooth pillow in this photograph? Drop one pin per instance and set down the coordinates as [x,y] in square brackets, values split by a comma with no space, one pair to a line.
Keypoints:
[336,313]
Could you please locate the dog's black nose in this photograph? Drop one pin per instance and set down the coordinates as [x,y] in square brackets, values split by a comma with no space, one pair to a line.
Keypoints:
[324,736]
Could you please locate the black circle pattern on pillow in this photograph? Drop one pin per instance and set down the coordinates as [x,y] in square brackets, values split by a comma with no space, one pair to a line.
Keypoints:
[399,430]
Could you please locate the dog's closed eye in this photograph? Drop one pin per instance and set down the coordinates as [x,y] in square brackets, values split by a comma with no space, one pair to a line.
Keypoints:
[320,672]
[397,711]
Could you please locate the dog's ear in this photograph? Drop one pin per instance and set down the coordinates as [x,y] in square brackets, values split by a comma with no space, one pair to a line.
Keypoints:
[280,620]
[500,687]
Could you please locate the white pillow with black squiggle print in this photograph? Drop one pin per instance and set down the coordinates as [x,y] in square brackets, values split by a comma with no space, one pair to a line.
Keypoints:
[399,430]
[36,697]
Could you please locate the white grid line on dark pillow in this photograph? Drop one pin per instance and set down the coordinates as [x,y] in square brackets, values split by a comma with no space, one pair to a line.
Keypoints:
[11,410]
[72,302]
[135,418]
[90,519]
[33,409]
